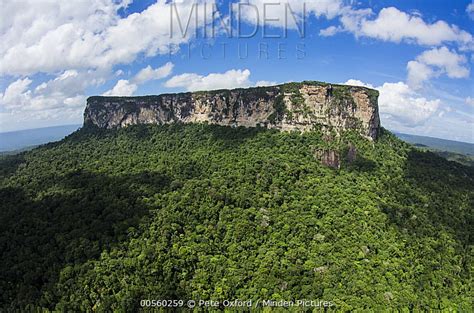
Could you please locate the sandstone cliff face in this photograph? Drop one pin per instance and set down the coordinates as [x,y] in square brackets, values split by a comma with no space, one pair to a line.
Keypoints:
[293,106]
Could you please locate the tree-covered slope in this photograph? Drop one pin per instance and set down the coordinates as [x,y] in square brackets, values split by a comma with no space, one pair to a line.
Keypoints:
[103,219]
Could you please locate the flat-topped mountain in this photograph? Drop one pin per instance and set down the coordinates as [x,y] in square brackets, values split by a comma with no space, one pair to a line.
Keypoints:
[105,218]
[292,106]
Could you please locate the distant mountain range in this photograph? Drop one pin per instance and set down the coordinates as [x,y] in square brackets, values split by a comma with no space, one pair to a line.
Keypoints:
[19,140]
[439,144]
[24,139]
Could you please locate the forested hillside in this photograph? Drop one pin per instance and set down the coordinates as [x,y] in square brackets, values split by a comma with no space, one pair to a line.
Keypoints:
[103,219]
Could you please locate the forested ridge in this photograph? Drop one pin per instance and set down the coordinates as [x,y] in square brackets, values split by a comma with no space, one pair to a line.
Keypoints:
[105,218]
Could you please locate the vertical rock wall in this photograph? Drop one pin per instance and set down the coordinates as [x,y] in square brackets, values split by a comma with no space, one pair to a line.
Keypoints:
[293,106]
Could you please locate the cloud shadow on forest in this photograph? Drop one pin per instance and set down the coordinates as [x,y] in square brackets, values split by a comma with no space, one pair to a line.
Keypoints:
[435,179]
[88,214]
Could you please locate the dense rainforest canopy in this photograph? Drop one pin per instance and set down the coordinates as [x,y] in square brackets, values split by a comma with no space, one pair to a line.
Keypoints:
[103,219]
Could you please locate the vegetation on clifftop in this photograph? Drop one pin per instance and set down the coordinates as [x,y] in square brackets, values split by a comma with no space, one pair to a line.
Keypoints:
[103,219]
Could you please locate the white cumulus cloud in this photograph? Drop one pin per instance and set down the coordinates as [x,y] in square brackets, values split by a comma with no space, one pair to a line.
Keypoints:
[16,94]
[66,90]
[397,26]
[400,103]
[51,36]
[330,31]
[125,87]
[122,88]
[356,82]
[470,10]
[264,83]
[57,101]
[195,82]
[148,73]
[435,62]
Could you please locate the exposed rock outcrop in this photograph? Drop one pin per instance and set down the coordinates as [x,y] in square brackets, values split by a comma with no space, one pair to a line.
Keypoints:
[329,157]
[292,106]
[351,153]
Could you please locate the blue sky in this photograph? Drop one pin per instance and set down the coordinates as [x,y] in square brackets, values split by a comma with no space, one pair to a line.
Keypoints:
[418,54]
